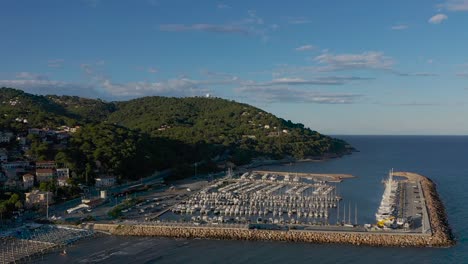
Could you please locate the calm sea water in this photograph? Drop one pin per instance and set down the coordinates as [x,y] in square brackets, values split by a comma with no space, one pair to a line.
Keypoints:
[443,158]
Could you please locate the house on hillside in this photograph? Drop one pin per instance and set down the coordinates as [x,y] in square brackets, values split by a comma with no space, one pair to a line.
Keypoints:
[3,155]
[3,177]
[74,129]
[28,181]
[12,184]
[50,164]
[19,164]
[37,197]
[45,175]
[5,137]
[63,174]
[105,181]
[36,131]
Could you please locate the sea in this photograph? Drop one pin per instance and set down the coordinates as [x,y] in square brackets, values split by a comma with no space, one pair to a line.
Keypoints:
[444,159]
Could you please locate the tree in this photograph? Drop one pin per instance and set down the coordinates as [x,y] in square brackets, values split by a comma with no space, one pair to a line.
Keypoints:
[18,205]
[3,209]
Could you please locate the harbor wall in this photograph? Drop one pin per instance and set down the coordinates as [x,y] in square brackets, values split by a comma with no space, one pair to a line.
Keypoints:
[354,238]
[441,235]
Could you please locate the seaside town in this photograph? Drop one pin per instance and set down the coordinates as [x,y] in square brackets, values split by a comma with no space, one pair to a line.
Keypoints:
[22,171]
[245,204]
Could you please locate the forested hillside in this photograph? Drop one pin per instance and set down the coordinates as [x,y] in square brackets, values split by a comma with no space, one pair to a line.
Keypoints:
[134,137]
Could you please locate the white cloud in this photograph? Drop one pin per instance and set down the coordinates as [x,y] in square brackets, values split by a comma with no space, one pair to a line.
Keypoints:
[57,63]
[172,87]
[305,47]
[455,5]
[420,74]
[252,25]
[31,76]
[437,19]
[286,94]
[399,27]
[45,86]
[412,103]
[298,20]
[153,2]
[366,60]
[152,70]
[206,28]
[327,80]
[223,6]
[92,3]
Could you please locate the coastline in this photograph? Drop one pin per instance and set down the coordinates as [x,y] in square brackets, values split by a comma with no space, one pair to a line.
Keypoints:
[441,235]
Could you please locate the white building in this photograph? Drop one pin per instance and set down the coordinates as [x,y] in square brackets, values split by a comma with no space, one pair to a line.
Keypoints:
[37,197]
[105,181]
[28,181]
[63,175]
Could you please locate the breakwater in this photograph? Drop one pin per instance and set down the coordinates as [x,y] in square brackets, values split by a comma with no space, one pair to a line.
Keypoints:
[440,235]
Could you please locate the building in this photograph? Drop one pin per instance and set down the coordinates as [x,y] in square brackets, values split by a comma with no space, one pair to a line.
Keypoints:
[63,172]
[74,129]
[12,184]
[37,197]
[22,140]
[50,164]
[28,181]
[3,155]
[3,177]
[5,137]
[45,175]
[105,181]
[36,131]
[63,175]
[20,164]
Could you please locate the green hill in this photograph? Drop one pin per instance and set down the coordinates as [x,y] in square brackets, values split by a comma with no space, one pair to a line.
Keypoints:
[137,136]
[224,123]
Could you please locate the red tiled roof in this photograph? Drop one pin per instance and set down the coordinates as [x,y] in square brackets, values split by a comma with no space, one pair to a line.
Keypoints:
[45,162]
[44,171]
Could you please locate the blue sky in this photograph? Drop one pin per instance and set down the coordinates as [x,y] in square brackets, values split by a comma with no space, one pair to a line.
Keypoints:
[339,67]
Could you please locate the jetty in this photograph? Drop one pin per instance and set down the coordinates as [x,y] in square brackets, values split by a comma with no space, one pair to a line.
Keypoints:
[436,234]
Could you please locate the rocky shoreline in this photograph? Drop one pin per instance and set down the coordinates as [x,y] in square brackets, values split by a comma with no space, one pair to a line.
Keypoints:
[441,235]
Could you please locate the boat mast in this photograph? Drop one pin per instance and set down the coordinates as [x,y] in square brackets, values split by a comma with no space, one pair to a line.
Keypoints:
[338,213]
[355,214]
[344,212]
[349,213]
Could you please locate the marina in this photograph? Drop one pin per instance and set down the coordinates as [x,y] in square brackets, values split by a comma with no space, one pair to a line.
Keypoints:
[342,233]
[260,197]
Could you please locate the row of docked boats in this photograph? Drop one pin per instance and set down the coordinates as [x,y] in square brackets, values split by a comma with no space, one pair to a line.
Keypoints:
[387,208]
[261,199]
